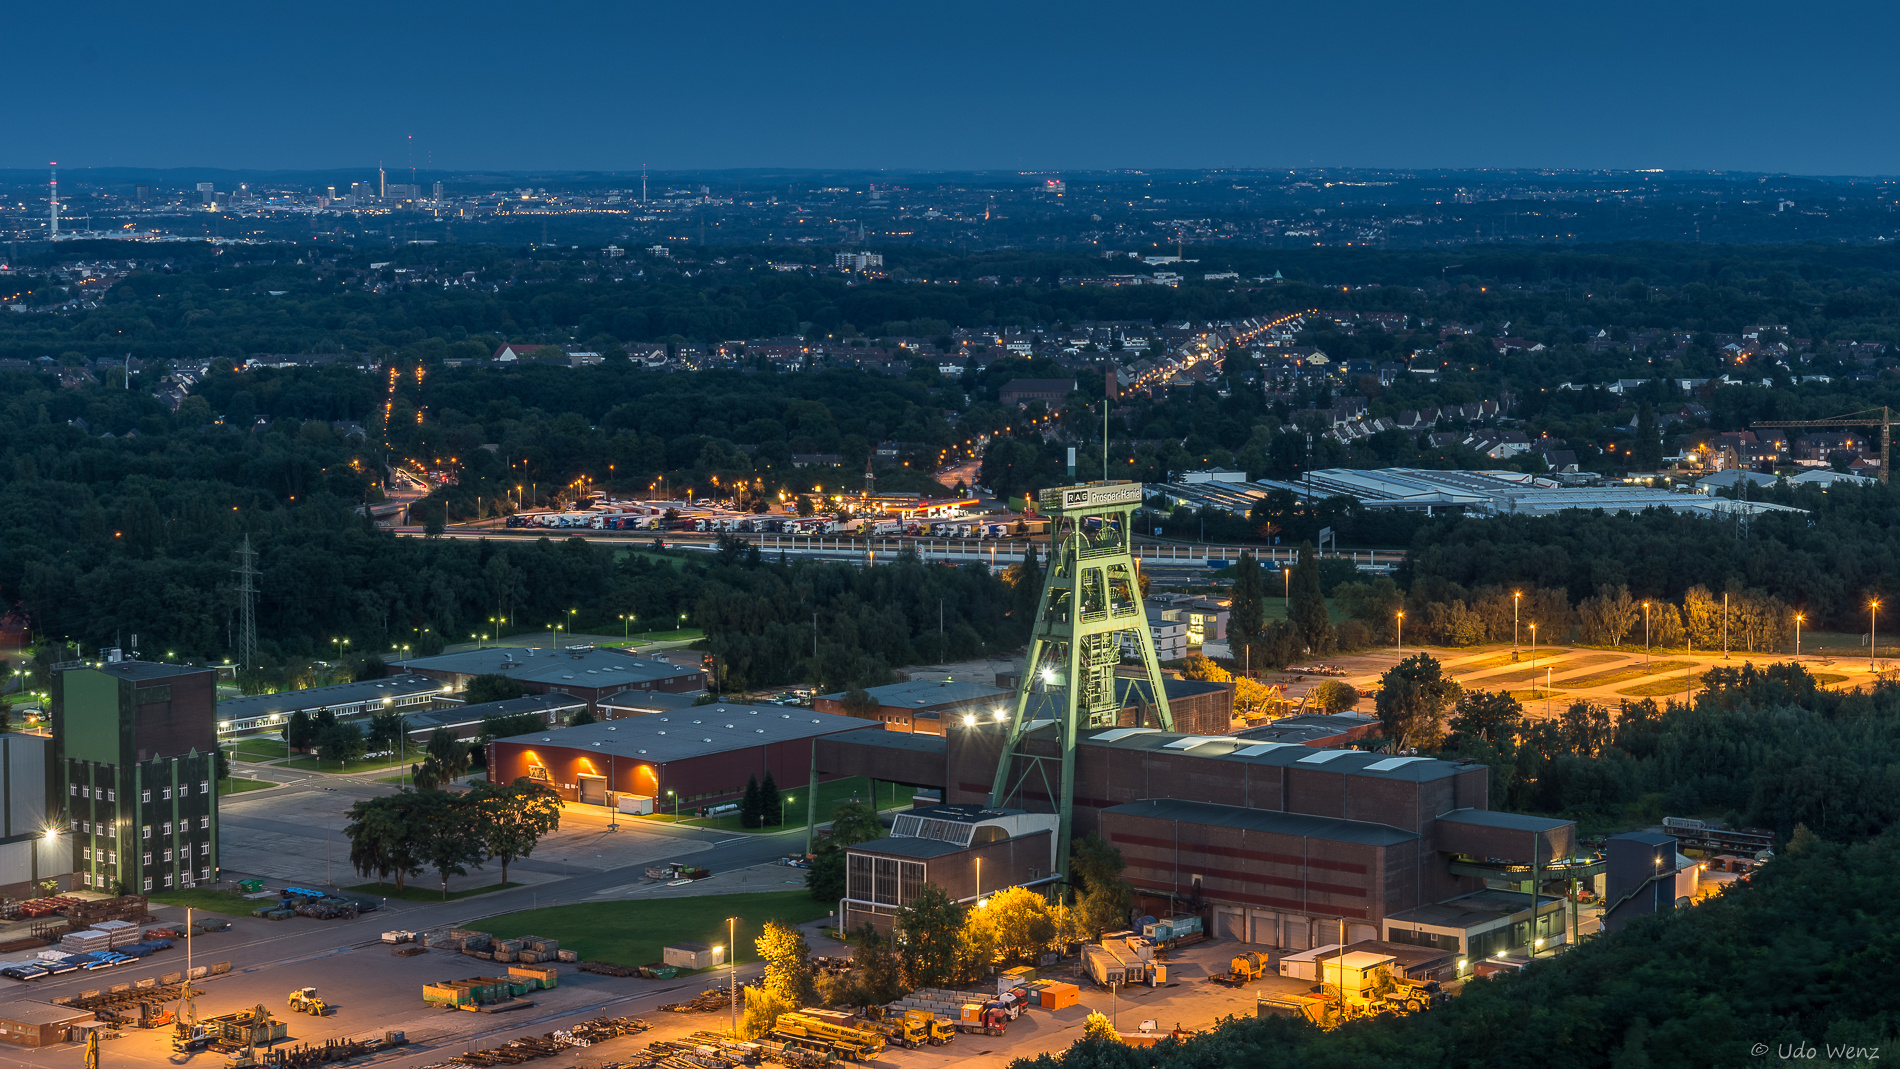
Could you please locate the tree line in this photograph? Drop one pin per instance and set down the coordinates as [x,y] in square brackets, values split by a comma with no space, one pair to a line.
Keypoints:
[397,836]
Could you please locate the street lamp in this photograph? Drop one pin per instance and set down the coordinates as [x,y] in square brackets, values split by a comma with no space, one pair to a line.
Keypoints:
[1401,633]
[1645,638]
[1533,660]
[340,643]
[1873,637]
[732,966]
[1798,617]
[1516,596]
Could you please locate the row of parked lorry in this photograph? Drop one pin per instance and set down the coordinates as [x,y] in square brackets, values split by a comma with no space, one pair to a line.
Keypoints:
[60,964]
[870,528]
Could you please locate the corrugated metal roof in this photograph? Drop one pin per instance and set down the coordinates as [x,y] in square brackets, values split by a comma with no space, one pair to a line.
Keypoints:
[1491,818]
[1266,820]
[696,732]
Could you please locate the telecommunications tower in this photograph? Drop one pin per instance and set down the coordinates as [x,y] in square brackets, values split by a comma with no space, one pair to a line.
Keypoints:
[246,571]
[53,202]
[1091,599]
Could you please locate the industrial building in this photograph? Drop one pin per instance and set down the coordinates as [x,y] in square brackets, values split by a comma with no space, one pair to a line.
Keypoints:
[967,850]
[1199,707]
[692,757]
[347,701]
[1316,729]
[1477,493]
[586,672]
[920,705]
[465,721]
[642,703]
[1276,843]
[134,756]
[27,853]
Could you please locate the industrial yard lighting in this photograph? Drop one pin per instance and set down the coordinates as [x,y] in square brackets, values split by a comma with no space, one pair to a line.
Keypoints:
[1873,636]
[1798,617]
[1516,597]
[1401,615]
[732,967]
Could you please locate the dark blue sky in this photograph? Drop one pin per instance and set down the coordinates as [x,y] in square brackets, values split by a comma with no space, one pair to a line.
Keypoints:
[1805,88]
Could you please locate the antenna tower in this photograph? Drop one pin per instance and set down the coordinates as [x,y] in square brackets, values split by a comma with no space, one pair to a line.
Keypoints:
[1091,598]
[53,201]
[246,571]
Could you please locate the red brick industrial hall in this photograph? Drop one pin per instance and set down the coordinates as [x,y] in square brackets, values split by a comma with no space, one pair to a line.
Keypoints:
[1274,843]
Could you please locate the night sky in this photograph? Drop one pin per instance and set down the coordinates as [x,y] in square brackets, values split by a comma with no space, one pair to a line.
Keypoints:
[905,84]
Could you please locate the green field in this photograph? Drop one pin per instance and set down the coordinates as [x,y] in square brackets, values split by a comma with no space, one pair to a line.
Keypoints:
[312,764]
[633,933]
[830,793]
[258,748]
[229,903]
[424,888]
[239,786]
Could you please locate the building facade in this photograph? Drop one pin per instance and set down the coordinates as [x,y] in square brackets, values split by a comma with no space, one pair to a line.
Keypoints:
[135,763]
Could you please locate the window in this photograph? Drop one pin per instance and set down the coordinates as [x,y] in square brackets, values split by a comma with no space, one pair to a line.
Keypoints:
[204,786]
[204,849]
[85,854]
[72,789]
[148,832]
[75,823]
[145,795]
[112,795]
[88,878]
[146,859]
[168,880]
[85,792]
[204,873]
[166,794]
[148,881]
[168,829]
[86,826]
[112,857]
[204,822]
[168,855]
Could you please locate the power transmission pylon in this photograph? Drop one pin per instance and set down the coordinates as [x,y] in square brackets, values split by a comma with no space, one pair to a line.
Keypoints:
[246,571]
[1091,597]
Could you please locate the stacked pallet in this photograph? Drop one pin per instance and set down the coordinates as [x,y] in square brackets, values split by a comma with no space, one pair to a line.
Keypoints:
[85,942]
[535,948]
[943,1002]
[120,933]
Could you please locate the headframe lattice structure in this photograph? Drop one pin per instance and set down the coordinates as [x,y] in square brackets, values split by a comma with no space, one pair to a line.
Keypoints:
[1091,597]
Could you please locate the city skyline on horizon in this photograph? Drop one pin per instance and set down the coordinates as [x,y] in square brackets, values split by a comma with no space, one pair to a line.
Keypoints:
[983,87]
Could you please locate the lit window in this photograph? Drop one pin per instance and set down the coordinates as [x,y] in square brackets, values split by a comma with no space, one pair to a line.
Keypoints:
[147,830]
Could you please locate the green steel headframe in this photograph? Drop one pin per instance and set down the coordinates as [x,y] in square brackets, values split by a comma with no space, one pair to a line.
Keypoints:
[1091,600]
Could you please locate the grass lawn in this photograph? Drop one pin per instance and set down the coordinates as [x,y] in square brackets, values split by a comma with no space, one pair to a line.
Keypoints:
[633,933]
[429,889]
[830,793]
[1503,659]
[1671,685]
[239,786]
[229,903]
[1635,671]
[258,749]
[312,764]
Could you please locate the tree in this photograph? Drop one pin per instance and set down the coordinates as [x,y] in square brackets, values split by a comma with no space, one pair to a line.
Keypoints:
[858,702]
[507,727]
[1647,451]
[514,818]
[454,839]
[341,743]
[855,822]
[771,810]
[787,963]
[1246,612]
[1413,697]
[1195,666]
[1491,716]
[851,823]
[492,687]
[1306,607]
[750,810]
[1098,1028]
[385,731]
[930,924]
[879,976]
[580,718]
[1609,617]
[1333,696]
[1020,924]
[1105,899]
[1025,584]
[449,753]
[386,835]
[299,732]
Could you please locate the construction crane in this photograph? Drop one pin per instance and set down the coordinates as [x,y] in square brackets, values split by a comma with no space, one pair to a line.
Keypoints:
[1866,417]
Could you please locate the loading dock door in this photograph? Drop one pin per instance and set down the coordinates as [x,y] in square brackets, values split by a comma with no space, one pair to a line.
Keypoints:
[1230,924]
[593,789]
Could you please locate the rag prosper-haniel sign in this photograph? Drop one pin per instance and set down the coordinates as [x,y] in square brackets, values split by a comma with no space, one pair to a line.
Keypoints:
[1083,498]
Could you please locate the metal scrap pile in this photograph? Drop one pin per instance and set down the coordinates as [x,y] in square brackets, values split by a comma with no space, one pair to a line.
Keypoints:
[528,1048]
[719,998]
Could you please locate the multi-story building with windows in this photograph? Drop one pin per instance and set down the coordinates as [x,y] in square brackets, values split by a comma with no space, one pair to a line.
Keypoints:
[135,764]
